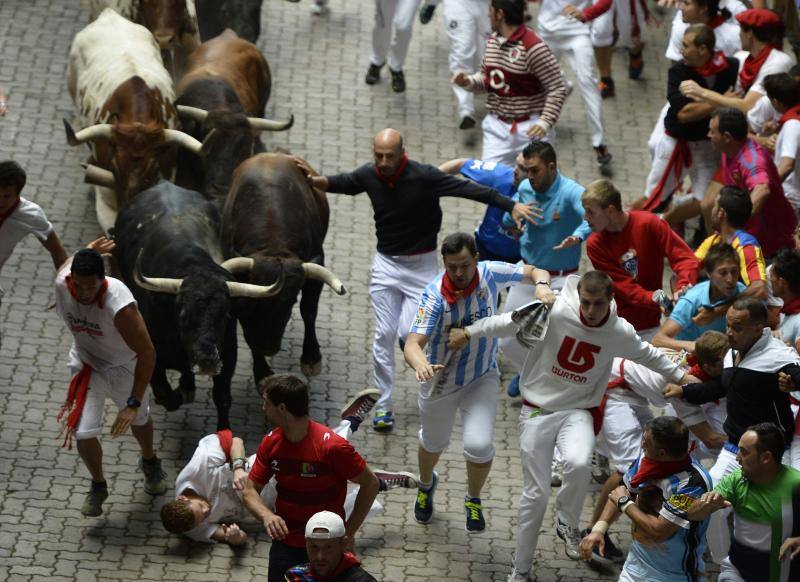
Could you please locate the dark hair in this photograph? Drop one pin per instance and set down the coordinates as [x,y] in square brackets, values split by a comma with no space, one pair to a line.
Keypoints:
[711,347]
[719,253]
[770,440]
[540,149]
[737,204]
[286,389]
[454,243]
[795,71]
[713,9]
[12,174]
[755,308]
[514,10]
[88,262]
[703,36]
[669,433]
[596,282]
[177,516]
[783,88]
[732,121]
[786,265]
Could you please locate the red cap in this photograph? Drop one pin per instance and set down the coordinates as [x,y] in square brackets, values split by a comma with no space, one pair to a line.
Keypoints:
[758,18]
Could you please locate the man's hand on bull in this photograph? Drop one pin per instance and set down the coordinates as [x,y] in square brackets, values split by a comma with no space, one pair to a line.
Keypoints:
[276,527]
[522,212]
[102,245]
[123,422]
[427,372]
[314,179]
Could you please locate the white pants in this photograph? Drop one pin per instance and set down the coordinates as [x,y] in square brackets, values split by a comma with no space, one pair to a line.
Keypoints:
[704,163]
[502,146]
[573,432]
[579,53]
[520,295]
[621,436]
[620,12]
[477,402]
[392,16]
[114,383]
[395,287]
[728,572]
[468,27]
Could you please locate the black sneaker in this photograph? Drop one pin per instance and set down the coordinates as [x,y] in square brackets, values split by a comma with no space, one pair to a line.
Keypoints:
[423,506]
[467,122]
[398,81]
[93,503]
[635,65]
[373,74]
[389,480]
[607,88]
[613,555]
[426,13]
[154,477]
[474,511]
[603,157]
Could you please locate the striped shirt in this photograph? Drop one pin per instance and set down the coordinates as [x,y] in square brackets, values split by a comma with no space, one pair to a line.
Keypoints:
[435,318]
[522,77]
[751,259]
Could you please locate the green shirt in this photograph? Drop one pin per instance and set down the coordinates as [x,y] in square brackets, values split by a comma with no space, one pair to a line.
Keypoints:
[764,516]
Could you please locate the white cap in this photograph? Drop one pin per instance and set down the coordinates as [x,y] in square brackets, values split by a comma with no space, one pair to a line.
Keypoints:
[327,520]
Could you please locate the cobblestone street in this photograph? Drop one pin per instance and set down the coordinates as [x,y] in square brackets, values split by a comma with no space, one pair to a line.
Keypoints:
[318,66]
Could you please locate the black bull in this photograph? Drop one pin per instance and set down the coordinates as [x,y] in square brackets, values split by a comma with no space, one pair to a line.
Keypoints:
[167,248]
[275,223]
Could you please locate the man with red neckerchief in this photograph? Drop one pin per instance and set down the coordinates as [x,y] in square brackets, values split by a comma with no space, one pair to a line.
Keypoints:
[405,198]
[111,357]
[783,91]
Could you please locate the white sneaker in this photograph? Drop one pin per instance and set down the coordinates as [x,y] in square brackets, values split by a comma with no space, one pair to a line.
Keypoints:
[517,576]
[571,537]
[557,473]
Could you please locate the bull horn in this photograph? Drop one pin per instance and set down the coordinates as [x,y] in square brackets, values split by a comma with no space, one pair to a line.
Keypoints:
[238,264]
[315,271]
[98,176]
[254,291]
[156,284]
[269,124]
[193,112]
[91,133]
[185,140]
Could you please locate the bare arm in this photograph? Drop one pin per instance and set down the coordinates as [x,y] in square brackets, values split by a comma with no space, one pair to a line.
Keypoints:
[414,353]
[453,166]
[759,196]
[706,434]
[367,491]
[274,524]
[785,167]
[53,245]
[665,337]
[695,112]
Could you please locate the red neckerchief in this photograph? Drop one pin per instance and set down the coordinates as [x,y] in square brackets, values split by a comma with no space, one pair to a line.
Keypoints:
[225,437]
[98,299]
[73,405]
[587,324]
[716,21]
[650,470]
[10,212]
[348,561]
[392,180]
[451,294]
[716,64]
[752,65]
[699,373]
[793,113]
[792,307]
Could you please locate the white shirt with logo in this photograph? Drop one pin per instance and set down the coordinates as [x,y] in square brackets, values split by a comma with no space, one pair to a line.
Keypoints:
[28,218]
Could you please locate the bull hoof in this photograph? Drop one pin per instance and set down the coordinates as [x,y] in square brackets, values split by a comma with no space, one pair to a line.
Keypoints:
[313,369]
[187,395]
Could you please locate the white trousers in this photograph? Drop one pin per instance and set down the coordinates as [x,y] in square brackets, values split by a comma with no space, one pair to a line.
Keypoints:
[502,146]
[572,431]
[704,163]
[394,290]
[728,572]
[579,53]
[468,27]
[520,295]
[477,402]
[392,16]
[621,436]
[620,13]
[116,384]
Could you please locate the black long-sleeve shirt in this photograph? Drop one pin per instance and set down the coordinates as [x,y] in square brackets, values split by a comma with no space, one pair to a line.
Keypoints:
[751,388]
[407,215]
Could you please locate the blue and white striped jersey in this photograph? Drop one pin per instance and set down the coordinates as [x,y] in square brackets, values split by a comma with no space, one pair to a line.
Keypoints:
[435,318]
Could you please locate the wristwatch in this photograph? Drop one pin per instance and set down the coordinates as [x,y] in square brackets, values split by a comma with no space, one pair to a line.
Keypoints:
[543,282]
[133,403]
[623,502]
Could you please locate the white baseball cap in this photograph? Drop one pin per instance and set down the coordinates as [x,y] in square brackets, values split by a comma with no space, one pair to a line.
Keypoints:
[327,520]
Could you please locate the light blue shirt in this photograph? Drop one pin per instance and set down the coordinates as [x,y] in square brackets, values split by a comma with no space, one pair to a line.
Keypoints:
[689,305]
[563,217]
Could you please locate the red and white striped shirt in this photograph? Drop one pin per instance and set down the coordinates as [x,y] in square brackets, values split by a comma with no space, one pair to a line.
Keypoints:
[522,77]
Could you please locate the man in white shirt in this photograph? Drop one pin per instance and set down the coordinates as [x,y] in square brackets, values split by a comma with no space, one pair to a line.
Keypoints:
[783,91]
[20,217]
[562,383]
[111,357]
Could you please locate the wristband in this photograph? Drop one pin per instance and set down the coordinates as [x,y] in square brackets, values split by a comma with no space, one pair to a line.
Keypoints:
[600,527]
[466,333]
[625,506]
[543,282]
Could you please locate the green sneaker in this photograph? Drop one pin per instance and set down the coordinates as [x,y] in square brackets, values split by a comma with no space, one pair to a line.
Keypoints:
[154,478]
[474,510]
[383,421]
[93,504]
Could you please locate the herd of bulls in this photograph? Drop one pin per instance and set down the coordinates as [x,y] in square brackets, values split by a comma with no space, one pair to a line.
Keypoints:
[209,229]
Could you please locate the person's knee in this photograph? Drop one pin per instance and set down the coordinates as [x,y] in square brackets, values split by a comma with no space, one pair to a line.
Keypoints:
[433,443]
[576,463]
[479,451]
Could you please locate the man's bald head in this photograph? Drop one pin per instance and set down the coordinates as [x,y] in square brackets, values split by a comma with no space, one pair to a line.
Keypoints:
[388,149]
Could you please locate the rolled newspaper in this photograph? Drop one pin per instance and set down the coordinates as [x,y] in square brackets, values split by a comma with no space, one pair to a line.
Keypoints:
[532,320]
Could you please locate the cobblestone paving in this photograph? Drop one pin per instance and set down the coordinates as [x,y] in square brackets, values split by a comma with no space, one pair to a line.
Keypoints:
[318,66]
